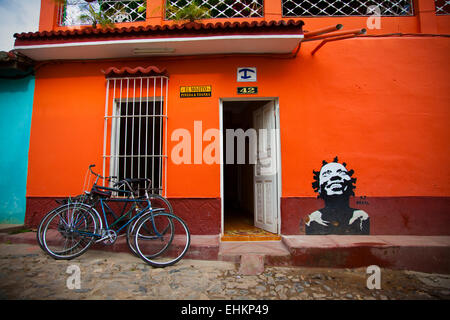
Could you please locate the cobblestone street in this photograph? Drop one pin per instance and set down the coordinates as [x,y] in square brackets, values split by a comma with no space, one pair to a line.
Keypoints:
[26,272]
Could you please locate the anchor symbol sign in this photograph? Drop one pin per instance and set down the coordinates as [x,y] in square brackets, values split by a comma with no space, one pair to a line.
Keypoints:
[246,75]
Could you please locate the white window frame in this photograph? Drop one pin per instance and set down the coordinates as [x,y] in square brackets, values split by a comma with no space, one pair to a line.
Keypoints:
[151,97]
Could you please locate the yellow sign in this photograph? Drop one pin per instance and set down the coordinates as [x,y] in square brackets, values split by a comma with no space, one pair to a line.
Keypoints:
[195,91]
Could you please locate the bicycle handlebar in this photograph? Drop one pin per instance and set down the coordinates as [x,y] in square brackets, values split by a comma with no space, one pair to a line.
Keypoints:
[99,176]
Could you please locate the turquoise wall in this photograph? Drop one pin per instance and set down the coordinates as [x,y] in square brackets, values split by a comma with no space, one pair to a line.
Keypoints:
[16,104]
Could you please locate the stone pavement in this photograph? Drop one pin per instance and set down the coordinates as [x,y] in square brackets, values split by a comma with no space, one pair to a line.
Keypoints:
[26,272]
[429,254]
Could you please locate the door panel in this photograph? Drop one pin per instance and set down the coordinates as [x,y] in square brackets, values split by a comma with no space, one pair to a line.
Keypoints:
[265,177]
[259,207]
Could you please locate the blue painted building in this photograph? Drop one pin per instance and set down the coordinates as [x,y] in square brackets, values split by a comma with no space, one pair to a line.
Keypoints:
[16,105]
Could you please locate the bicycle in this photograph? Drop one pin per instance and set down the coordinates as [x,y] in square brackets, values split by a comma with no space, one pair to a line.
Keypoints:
[91,198]
[77,224]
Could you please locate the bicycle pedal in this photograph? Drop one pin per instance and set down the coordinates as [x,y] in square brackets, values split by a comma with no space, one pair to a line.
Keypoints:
[110,237]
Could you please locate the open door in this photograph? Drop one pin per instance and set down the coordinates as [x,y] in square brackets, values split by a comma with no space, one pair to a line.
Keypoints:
[265,172]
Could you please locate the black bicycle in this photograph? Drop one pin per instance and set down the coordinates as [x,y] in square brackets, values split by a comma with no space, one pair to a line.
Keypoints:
[153,232]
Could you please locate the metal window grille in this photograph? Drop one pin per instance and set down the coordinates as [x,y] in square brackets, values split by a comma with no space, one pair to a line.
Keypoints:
[136,130]
[314,8]
[442,7]
[117,11]
[221,8]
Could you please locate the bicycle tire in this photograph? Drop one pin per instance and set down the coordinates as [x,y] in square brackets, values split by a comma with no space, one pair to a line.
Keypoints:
[166,229]
[131,226]
[179,241]
[45,217]
[42,223]
[78,217]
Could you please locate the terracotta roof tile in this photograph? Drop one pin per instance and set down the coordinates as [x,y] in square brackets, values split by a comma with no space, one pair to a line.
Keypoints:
[138,71]
[191,28]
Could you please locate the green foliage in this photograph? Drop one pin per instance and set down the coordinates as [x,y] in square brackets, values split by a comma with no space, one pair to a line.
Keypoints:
[191,12]
[97,18]
[142,7]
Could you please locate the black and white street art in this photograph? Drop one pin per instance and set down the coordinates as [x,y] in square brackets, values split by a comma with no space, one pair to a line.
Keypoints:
[335,184]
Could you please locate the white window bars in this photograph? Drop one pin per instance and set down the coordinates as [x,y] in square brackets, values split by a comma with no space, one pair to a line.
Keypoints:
[135,130]
[314,8]
[117,11]
[219,8]
[442,7]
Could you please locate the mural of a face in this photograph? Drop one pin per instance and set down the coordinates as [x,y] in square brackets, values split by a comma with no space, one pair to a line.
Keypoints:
[333,179]
[335,184]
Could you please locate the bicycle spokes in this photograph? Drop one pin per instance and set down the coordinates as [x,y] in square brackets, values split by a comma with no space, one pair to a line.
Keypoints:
[161,239]
[69,232]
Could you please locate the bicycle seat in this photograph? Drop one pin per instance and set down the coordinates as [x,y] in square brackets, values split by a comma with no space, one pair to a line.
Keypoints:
[96,190]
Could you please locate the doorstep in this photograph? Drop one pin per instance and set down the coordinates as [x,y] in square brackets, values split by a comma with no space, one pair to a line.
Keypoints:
[234,250]
[233,237]
[417,253]
[252,256]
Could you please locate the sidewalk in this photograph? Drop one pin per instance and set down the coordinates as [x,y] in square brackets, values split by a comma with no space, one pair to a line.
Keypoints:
[26,272]
[418,253]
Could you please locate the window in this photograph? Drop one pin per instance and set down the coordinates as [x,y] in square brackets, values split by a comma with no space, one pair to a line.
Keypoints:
[71,13]
[135,122]
[218,8]
[313,8]
[442,7]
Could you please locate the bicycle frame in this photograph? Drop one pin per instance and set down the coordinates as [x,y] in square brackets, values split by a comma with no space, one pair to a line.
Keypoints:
[103,204]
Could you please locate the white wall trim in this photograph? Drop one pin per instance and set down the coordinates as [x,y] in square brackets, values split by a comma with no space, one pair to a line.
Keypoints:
[159,40]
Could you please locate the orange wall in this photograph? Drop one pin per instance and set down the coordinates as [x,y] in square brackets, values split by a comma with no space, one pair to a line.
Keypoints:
[66,134]
[381,105]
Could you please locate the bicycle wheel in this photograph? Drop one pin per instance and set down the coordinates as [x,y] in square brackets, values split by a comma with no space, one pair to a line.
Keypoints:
[151,232]
[158,203]
[81,199]
[45,218]
[42,224]
[161,249]
[69,232]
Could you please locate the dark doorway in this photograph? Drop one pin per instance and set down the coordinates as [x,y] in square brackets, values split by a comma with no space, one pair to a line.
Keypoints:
[239,178]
